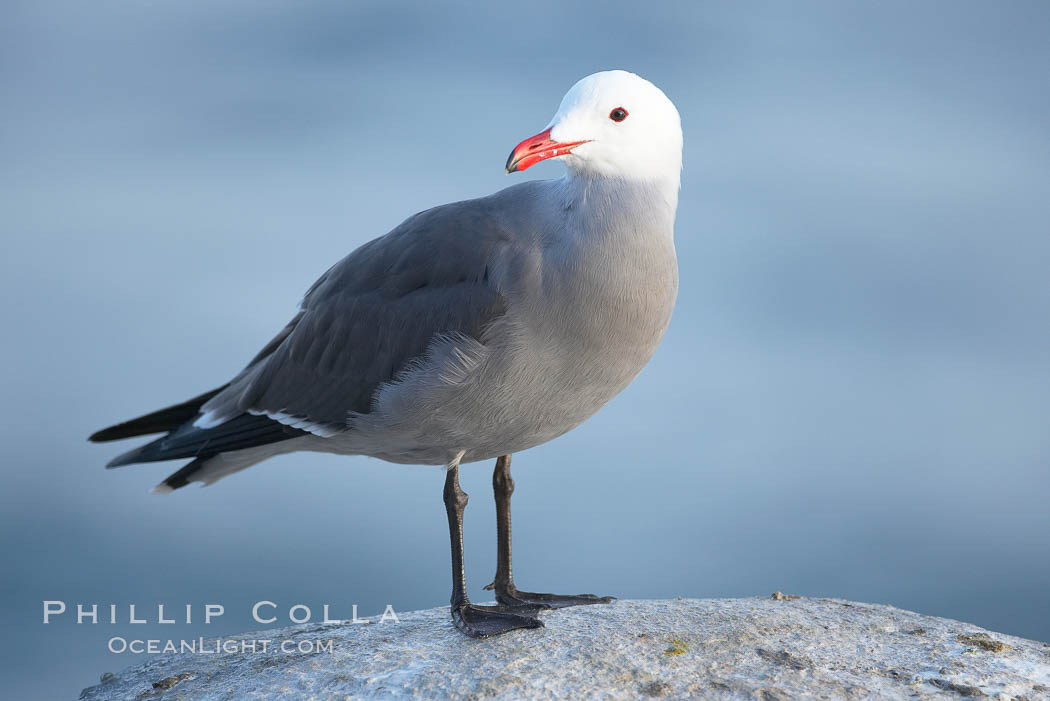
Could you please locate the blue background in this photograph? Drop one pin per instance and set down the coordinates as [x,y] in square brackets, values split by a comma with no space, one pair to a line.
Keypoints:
[852,399]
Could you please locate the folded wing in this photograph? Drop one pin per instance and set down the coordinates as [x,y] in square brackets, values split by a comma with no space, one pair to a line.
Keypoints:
[363,322]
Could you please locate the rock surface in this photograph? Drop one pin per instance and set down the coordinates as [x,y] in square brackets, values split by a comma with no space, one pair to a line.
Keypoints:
[761,648]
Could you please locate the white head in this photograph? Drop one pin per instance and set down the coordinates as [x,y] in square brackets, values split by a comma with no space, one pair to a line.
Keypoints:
[612,123]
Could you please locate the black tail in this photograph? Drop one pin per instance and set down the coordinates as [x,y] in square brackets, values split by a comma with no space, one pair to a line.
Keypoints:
[181,478]
[188,441]
[158,422]
[184,440]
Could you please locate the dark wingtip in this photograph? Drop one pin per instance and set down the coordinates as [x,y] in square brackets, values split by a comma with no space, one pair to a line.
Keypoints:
[160,421]
[119,461]
[106,434]
[144,453]
[130,429]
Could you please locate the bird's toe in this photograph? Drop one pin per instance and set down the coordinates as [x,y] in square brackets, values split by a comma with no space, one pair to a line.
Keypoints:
[485,621]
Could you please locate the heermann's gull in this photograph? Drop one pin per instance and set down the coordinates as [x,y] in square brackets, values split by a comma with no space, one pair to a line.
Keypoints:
[471,331]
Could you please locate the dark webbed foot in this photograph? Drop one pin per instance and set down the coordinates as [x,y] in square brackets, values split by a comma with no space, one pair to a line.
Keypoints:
[506,593]
[485,621]
[515,599]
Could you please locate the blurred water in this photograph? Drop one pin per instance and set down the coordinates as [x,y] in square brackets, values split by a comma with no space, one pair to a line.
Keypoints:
[852,399]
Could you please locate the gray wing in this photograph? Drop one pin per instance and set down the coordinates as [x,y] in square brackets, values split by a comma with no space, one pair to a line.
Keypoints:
[368,318]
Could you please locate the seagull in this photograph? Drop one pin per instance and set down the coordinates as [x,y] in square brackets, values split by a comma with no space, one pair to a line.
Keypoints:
[471,331]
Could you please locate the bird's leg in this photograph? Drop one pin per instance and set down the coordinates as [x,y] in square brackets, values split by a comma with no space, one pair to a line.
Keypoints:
[506,593]
[470,619]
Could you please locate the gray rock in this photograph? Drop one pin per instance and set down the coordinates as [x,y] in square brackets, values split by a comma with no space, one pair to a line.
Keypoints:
[762,648]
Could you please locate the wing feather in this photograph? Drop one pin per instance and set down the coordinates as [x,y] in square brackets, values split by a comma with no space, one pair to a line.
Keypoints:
[369,317]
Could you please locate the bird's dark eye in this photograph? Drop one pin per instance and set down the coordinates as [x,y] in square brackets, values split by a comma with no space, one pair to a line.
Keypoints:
[618,115]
